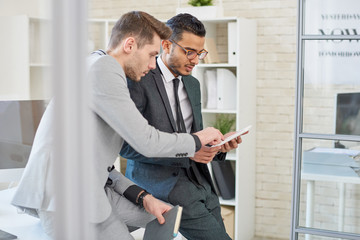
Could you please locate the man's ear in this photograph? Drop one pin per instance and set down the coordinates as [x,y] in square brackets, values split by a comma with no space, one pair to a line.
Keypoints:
[166,46]
[129,44]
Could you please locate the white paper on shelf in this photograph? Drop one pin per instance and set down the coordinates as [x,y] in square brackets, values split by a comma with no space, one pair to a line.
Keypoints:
[235,135]
[232,43]
[210,82]
[226,89]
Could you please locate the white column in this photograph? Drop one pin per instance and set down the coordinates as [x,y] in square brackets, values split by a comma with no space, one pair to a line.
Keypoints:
[73,129]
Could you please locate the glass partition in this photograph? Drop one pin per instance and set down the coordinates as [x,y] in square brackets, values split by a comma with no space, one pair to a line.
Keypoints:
[326,192]
[330,185]
[331,17]
[328,76]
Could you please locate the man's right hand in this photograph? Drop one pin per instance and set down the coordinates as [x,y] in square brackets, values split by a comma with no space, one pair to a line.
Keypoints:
[205,154]
[210,136]
[156,207]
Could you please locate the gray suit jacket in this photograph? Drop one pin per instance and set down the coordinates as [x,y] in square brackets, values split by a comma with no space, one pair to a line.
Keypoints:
[159,175]
[116,118]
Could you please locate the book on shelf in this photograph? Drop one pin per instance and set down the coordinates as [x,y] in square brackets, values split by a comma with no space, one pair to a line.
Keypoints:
[169,230]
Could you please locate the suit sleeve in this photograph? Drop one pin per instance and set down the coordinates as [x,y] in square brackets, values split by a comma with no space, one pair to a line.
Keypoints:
[121,185]
[127,151]
[112,103]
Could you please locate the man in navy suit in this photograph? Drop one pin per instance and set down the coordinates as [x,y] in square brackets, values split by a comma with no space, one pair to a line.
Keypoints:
[170,99]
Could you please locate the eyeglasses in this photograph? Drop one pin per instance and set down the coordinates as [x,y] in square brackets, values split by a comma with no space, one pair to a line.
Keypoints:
[191,54]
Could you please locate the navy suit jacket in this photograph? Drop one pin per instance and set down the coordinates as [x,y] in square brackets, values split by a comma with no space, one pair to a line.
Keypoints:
[159,175]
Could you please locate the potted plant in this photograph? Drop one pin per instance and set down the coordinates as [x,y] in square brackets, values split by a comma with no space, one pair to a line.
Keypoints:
[202,9]
[198,3]
[225,123]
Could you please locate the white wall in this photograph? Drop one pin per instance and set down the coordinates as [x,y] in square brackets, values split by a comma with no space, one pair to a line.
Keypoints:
[32,8]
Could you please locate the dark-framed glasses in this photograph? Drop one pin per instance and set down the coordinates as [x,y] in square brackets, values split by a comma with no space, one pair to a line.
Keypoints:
[191,54]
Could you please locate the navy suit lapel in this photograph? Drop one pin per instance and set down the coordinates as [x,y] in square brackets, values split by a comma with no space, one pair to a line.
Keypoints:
[160,85]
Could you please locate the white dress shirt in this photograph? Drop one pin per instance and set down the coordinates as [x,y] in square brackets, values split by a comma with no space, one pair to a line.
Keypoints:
[186,109]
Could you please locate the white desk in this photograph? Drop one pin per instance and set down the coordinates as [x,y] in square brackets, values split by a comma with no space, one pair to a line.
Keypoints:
[330,166]
[26,227]
[23,226]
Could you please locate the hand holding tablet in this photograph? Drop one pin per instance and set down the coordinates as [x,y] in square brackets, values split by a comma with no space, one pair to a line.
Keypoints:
[235,135]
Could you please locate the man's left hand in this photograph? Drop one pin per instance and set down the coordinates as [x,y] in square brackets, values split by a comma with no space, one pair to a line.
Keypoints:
[232,144]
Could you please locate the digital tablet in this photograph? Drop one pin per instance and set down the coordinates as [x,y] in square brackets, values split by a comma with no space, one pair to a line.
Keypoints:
[235,135]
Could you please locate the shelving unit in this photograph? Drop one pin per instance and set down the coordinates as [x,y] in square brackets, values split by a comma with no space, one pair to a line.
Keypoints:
[26,67]
[99,31]
[241,42]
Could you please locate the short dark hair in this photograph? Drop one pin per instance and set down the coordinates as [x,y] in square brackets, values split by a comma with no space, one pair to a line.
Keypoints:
[139,25]
[185,22]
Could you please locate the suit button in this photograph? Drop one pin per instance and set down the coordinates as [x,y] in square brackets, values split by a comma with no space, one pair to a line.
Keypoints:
[109,182]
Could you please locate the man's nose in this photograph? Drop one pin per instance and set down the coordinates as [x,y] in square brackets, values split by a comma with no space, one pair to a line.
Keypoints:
[195,60]
[152,64]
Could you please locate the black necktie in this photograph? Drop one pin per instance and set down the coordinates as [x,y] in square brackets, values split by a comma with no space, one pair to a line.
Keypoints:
[180,123]
[192,172]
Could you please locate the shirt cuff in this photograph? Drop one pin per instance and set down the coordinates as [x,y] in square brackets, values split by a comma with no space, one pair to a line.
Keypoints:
[197,142]
[132,192]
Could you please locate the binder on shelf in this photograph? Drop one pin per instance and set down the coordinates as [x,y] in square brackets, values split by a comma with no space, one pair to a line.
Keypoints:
[232,42]
[224,178]
[226,89]
[211,91]
[210,46]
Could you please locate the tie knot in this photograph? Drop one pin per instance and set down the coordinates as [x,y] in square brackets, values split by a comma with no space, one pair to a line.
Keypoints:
[176,83]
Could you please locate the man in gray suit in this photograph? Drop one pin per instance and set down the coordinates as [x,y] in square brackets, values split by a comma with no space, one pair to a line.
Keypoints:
[134,44]
[179,181]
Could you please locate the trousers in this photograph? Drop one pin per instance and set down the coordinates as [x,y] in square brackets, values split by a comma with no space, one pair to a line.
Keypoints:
[124,216]
[201,217]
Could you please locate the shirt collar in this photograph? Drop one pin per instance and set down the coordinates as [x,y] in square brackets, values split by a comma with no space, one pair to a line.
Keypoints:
[168,76]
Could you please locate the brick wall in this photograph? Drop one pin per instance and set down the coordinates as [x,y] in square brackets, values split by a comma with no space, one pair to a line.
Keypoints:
[276,72]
